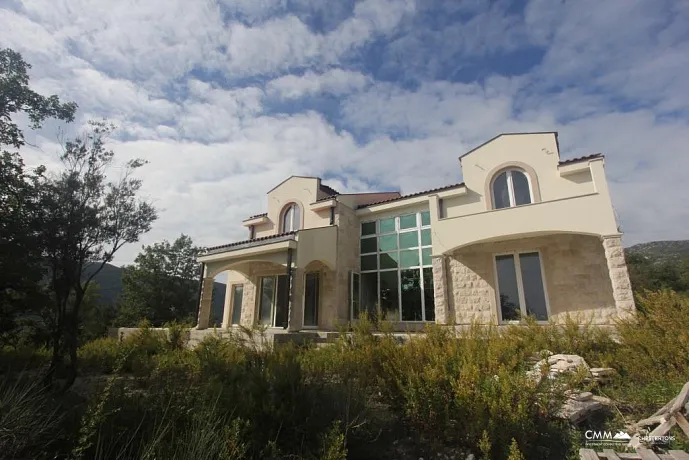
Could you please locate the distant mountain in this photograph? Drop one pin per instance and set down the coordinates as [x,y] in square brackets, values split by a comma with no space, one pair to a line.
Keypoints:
[662,250]
[110,283]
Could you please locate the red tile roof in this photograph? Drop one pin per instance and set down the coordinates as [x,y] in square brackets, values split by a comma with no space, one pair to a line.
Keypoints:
[584,158]
[329,190]
[412,195]
[237,243]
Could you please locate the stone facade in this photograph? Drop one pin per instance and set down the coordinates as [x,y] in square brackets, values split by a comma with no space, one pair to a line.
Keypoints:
[575,270]
[203,319]
[617,268]
[442,312]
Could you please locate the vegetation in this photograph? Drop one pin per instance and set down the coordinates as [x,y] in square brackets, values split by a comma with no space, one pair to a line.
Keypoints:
[162,285]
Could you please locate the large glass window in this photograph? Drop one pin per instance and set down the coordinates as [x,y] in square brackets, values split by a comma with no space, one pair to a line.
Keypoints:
[521,286]
[396,280]
[511,188]
[274,301]
[237,295]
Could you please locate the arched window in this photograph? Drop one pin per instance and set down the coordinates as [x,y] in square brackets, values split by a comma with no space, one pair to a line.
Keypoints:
[291,218]
[511,188]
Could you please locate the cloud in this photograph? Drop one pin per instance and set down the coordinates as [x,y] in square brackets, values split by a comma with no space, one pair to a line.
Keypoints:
[226,99]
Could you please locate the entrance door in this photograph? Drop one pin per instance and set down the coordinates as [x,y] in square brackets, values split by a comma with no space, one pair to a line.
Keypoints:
[274,302]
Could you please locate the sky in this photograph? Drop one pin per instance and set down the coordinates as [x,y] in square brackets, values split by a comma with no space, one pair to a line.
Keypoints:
[225,99]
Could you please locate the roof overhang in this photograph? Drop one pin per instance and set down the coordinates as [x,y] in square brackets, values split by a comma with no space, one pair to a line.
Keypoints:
[258,220]
[411,201]
[576,167]
[323,204]
[249,249]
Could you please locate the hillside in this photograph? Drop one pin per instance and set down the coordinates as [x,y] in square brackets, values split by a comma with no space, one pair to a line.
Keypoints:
[110,283]
[663,251]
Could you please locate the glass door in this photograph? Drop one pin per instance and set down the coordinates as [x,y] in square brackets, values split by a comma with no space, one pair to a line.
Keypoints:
[274,301]
[311,297]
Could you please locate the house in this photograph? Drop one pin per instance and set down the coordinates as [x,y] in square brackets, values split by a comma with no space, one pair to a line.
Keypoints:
[526,233]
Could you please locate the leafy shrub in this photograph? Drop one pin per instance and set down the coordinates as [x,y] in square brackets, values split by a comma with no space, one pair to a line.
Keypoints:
[656,341]
[99,355]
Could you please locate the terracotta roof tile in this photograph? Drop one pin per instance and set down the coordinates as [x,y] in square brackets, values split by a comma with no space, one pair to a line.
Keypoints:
[584,158]
[412,195]
[237,243]
[329,190]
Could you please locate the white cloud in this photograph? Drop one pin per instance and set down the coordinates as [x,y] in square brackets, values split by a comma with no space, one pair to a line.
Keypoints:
[334,81]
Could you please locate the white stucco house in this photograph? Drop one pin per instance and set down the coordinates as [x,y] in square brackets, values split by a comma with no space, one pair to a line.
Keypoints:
[526,233]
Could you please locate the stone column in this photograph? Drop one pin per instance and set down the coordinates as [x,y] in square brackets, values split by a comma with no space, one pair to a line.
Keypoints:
[619,277]
[205,304]
[442,303]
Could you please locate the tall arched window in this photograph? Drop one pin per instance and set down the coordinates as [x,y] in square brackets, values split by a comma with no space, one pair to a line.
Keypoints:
[291,218]
[511,188]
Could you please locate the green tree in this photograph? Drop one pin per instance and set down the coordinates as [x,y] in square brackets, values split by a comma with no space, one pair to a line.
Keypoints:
[162,285]
[87,219]
[20,219]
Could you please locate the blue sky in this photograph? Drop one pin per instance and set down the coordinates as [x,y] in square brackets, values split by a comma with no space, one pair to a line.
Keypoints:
[227,98]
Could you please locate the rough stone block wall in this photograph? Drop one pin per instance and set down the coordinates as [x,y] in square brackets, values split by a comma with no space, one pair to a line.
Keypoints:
[442,312]
[617,267]
[575,268]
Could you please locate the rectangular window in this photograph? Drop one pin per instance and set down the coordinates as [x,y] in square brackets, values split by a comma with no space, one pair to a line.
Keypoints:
[355,294]
[429,294]
[237,295]
[274,301]
[369,294]
[409,239]
[267,302]
[412,305]
[521,286]
[389,296]
[311,296]
[408,221]
[397,279]
[368,228]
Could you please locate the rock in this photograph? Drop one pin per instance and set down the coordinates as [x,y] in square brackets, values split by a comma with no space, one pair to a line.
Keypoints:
[576,411]
[603,374]
[556,364]
[585,396]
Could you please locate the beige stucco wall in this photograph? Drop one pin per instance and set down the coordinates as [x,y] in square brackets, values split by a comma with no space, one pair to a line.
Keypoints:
[348,233]
[575,268]
[300,190]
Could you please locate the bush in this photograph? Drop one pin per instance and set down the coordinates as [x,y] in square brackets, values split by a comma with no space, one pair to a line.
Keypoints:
[99,355]
[656,341]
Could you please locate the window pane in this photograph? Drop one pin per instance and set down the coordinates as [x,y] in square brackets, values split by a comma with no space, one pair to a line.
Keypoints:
[237,294]
[387,225]
[368,228]
[267,296]
[282,301]
[428,294]
[507,282]
[369,262]
[521,188]
[296,222]
[388,260]
[426,256]
[368,245]
[355,295]
[501,196]
[426,218]
[532,280]
[287,219]
[411,295]
[408,221]
[369,294]
[409,240]
[409,258]
[387,242]
[389,300]
[426,237]
[311,300]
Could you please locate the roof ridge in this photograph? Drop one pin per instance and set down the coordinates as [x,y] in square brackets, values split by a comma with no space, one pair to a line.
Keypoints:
[412,195]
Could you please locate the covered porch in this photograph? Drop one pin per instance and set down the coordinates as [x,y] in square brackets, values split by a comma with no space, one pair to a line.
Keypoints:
[285,283]
[548,276]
